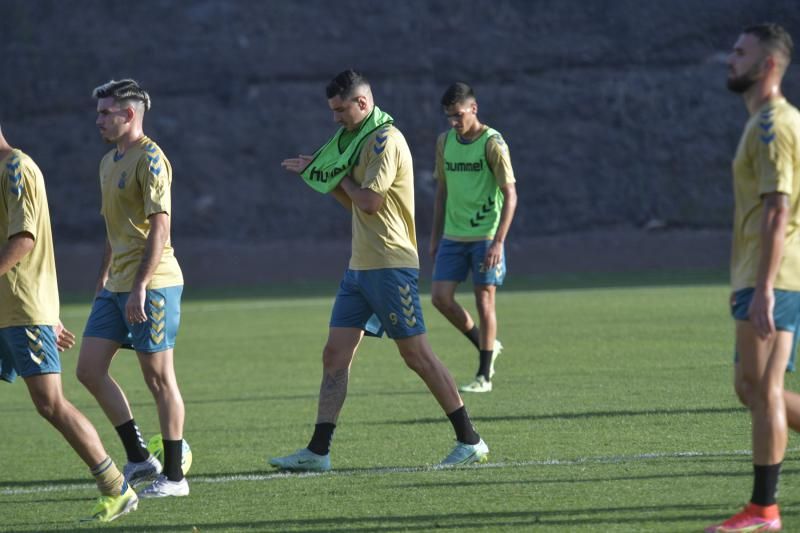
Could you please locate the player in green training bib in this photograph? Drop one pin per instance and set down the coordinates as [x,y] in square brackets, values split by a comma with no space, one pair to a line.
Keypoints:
[31,334]
[475,202]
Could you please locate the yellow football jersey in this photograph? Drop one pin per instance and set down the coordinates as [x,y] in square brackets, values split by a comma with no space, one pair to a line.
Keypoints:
[29,291]
[767,161]
[388,238]
[133,187]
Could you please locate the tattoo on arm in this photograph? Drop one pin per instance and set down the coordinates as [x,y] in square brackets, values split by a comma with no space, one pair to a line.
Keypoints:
[332,393]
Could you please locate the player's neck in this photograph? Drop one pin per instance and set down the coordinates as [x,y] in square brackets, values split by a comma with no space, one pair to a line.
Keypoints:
[129,139]
[5,148]
[473,133]
[761,94]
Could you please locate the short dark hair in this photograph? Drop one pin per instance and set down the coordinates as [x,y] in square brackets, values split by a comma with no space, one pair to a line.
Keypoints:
[122,90]
[345,84]
[774,37]
[457,93]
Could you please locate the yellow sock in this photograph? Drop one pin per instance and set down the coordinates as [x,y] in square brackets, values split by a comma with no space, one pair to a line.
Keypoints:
[109,479]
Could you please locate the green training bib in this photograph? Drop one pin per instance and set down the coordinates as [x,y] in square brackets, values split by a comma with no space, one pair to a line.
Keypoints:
[474,201]
[330,164]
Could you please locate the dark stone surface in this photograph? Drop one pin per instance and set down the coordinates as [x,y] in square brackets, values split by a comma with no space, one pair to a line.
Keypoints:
[615,111]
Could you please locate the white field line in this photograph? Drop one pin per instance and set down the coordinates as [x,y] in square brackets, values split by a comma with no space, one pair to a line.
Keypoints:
[610,459]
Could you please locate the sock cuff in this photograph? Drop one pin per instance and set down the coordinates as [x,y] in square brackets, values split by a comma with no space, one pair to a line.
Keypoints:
[102,466]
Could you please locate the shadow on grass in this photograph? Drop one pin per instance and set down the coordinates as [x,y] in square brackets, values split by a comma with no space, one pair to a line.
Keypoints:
[747,473]
[684,517]
[311,396]
[572,416]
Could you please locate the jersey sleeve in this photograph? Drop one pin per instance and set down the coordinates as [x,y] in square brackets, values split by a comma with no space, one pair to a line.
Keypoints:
[382,157]
[20,193]
[155,176]
[438,169]
[499,160]
[774,161]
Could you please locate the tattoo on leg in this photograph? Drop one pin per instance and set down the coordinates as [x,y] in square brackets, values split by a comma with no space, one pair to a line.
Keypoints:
[332,393]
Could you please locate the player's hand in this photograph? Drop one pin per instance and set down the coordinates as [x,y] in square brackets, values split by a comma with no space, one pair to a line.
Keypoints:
[297,164]
[493,256]
[65,339]
[760,312]
[134,308]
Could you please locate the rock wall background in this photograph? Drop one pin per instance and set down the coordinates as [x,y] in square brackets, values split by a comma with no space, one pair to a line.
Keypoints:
[615,111]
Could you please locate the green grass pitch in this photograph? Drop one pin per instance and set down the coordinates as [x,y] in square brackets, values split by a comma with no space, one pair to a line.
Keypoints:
[613,410]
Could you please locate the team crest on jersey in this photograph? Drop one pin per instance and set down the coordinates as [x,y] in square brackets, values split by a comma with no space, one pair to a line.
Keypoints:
[121,182]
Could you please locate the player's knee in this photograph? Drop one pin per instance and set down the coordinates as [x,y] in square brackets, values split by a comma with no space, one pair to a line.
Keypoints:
[158,384]
[89,377]
[440,301]
[417,360]
[743,392]
[484,300]
[333,357]
[770,397]
[47,406]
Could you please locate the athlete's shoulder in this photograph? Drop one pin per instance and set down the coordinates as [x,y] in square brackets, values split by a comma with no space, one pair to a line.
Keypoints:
[152,157]
[783,114]
[19,161]
[150,149]
[495,143]
[21,172]
[494,136]
[386,138]
[778,121]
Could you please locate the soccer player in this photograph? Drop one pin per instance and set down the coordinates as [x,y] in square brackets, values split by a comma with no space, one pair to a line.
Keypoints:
[475,202]
[31,334]
[765,261]
[138,294]
[379,289]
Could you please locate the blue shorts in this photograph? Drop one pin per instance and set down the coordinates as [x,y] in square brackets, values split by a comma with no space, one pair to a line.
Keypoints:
[786,313]
[379,300]
[107,320]
[28,351]
[455,258]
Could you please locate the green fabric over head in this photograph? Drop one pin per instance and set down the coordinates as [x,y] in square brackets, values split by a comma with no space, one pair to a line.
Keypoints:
[330,164]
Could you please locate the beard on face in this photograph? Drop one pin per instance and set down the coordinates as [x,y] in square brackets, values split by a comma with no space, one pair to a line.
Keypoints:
[740,84]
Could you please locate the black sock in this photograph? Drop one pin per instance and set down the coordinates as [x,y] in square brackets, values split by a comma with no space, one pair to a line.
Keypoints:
[464,431]
[321,440]
[486,364]
[131,438]
[765,484]
[474,335]
[173,456]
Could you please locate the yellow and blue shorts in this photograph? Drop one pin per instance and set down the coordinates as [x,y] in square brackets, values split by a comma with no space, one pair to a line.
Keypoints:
[384,299]
[786,313]
[454,259]
[28,351]
[107,319]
